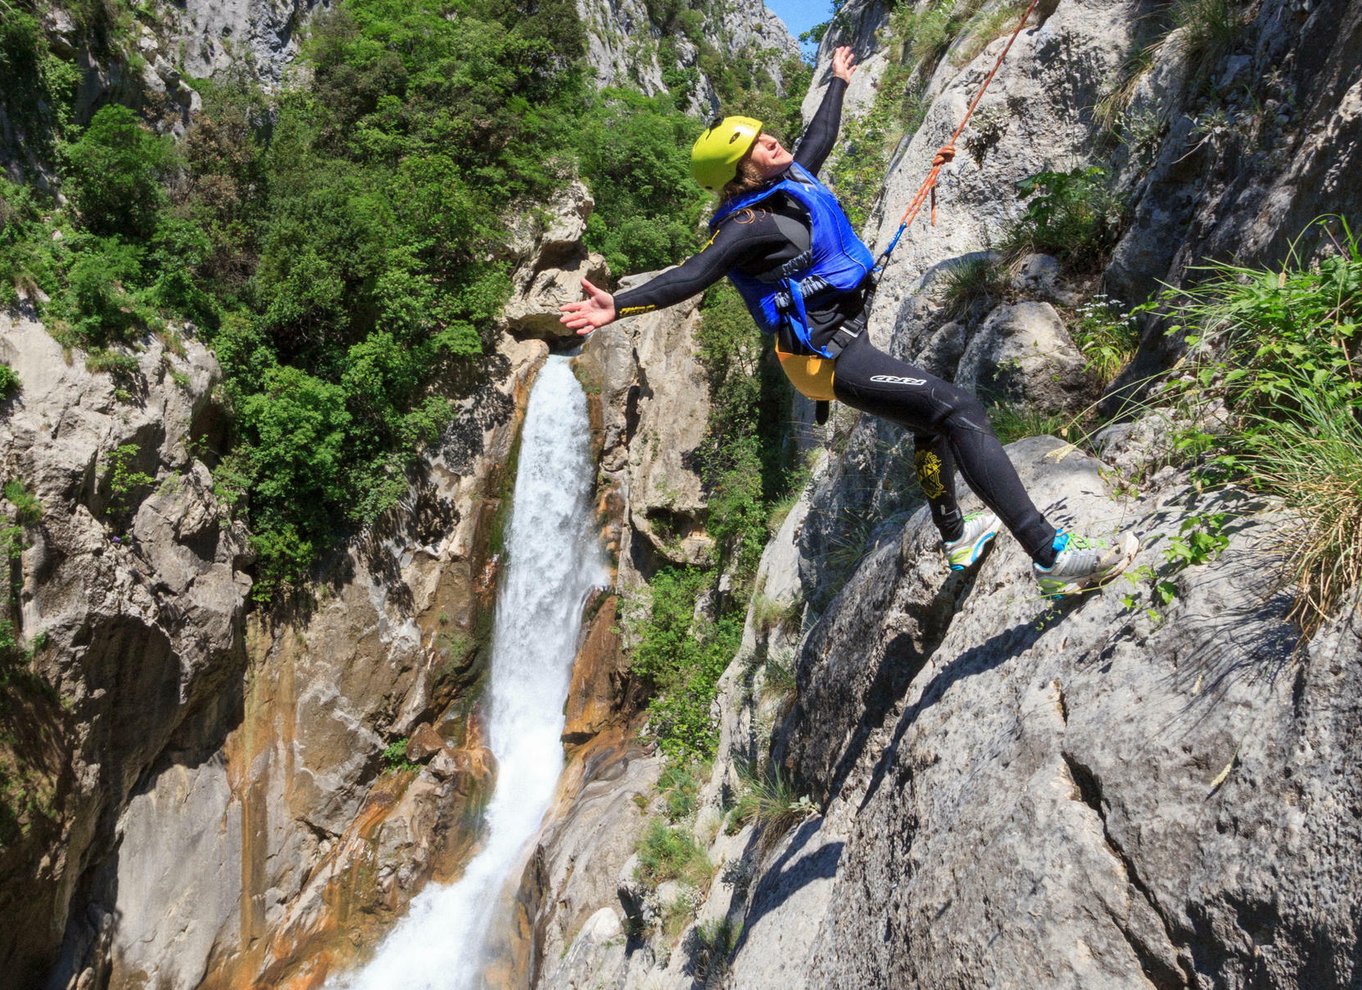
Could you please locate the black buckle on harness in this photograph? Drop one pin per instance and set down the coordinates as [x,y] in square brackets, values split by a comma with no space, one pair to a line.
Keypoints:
[845,334]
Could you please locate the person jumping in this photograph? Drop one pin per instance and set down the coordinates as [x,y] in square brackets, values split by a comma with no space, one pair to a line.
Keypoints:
[784,241]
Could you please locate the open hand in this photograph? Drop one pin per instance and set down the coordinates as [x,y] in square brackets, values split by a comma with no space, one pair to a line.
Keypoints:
[591,313]
[843,63]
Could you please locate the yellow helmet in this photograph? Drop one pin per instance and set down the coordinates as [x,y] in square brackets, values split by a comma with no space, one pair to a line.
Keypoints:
[714,159]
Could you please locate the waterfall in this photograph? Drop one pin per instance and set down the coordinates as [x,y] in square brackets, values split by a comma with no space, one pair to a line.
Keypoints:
[555,559]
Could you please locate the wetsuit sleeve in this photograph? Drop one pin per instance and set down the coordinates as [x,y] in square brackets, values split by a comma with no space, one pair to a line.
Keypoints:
[821,134]
[735,244]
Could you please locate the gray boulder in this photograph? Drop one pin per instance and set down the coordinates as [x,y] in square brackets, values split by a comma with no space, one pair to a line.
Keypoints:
[1022,354]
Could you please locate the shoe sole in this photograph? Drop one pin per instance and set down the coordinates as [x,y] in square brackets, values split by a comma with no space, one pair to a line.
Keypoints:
[1129,547]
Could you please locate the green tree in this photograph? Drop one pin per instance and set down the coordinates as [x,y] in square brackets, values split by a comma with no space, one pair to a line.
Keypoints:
[635,153]
[116,168]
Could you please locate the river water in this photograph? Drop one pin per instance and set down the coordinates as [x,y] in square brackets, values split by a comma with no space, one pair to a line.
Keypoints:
[554,561]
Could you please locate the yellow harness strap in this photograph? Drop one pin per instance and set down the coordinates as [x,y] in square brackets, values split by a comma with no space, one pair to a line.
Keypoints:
[810,374]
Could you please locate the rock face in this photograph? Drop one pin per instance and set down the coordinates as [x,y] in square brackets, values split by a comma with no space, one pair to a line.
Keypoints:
[1023,354]
[263,34]
[1148,751]
[131,597]
[550,265]
[627,47]
[649,394]
[1130,788]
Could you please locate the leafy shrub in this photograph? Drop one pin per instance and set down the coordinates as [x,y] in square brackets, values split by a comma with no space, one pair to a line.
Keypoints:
[122,367]
[682,657]
[27,252]
[116,168]
[868,141]
[1107,336]
[395,757]
[1073,215]
[101,304]
[920,34]
[9,381]
[125,483]
[39,86]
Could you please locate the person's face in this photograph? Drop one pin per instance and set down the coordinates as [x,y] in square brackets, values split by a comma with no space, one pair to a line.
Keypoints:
[770,156]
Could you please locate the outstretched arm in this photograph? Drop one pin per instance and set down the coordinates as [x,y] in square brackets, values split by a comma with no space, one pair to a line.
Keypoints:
[737,242]
[821,134]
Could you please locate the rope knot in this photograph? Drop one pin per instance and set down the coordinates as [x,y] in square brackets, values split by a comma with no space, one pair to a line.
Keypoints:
[945,155]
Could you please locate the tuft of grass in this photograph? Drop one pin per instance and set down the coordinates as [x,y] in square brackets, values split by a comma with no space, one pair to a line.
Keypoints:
[679,785]
[983,28]
[1016,422]
[769,801]
[1307,452]
[116,364]
[849,541]
[1278,350]
[1110,109]
[710,948]
[669,853]
[28,509]
[676,915]
[780,682]
[979,279]
[1206,31]
[771,613]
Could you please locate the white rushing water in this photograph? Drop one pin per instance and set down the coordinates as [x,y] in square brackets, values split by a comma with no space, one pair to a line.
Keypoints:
[554,560]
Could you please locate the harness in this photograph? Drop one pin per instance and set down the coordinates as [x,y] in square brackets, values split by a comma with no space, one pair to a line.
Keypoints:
[836,263]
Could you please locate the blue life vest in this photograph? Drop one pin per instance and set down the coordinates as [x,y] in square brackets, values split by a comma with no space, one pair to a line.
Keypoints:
[836,261]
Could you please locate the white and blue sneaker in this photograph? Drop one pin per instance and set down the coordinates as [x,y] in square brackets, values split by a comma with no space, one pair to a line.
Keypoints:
[1082,564]
[980,527]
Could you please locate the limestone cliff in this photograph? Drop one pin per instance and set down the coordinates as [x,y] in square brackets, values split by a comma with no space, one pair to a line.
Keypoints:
[657,48]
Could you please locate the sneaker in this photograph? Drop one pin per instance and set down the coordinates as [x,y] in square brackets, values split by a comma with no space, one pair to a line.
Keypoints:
[980,527]
[1082,564]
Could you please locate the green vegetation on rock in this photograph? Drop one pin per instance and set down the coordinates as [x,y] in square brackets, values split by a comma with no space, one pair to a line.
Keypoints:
[340,244]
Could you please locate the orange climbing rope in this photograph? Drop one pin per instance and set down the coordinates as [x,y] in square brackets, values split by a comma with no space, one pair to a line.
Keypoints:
[947,151]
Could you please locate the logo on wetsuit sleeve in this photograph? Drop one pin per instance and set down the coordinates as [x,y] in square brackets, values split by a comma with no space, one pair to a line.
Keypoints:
[896,380]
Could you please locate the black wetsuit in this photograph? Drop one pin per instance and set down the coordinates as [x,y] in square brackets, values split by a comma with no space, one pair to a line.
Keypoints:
[949,424]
